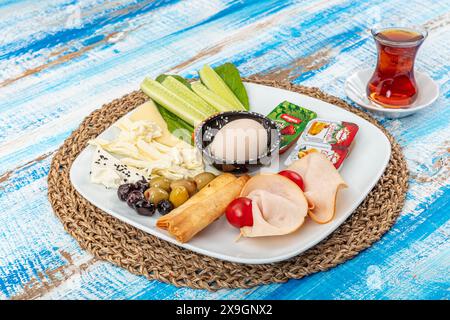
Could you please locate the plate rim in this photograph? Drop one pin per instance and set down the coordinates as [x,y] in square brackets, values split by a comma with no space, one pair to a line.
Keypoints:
[235,259]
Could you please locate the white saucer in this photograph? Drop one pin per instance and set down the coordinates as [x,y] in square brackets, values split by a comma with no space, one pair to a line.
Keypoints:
[355,88]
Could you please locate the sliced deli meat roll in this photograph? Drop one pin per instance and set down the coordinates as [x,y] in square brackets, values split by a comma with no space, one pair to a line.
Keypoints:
[322,183]
[278,206]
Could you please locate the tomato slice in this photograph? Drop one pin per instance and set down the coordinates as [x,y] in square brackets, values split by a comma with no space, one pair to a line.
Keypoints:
[239,212]
[293,176]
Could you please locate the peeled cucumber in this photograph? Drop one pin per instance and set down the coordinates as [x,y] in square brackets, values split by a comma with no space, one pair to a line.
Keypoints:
[215,83]
[212,98]
[172,102]
[187,95]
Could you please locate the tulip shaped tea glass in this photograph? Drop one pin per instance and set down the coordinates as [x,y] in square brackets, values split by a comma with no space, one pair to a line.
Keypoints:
[393,84]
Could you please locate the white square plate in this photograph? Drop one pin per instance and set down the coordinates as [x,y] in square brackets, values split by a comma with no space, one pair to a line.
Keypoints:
[361,170]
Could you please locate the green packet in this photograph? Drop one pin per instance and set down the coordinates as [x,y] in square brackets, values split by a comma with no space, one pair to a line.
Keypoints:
[291,120]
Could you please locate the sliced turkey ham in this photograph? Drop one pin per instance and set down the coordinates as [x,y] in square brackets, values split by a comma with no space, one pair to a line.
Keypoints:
[278,206]
[322,182]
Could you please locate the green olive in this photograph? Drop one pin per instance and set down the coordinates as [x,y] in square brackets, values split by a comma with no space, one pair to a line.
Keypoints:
[202,179]
[161,182]
[190,185]
[179,195]
[155,195]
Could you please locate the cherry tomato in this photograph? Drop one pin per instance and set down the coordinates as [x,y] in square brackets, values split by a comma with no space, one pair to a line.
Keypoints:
[239,212]
[293,176]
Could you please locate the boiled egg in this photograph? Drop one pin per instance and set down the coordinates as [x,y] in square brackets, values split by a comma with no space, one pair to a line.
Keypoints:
[239,141]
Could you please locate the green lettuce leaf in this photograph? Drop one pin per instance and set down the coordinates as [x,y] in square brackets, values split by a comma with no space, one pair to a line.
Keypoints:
[230,75]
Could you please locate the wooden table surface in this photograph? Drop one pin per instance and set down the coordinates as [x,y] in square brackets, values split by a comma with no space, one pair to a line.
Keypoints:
[61,59]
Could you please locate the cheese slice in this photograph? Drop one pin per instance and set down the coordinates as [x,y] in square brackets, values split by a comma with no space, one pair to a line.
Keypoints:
[278,206]
[111,172]
[145,143]
[149,111]
[322,182]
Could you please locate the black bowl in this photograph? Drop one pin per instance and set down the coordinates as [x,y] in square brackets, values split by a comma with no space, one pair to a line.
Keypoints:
[204,133]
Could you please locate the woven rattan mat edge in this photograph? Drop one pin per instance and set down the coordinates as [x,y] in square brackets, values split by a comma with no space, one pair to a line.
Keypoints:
[109,239]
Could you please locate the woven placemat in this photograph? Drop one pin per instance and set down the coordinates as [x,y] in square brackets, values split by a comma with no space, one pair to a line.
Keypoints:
[110,239]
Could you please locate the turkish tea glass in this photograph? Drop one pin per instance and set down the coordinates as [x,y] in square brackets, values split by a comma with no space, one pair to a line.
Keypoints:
[393,84]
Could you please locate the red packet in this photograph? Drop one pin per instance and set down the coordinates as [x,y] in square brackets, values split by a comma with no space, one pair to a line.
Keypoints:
[330,132]
[335,155]
[330,137]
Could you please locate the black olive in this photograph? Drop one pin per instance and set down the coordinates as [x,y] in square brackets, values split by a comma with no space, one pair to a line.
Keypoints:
[133,197]
[141,185]
[145,208]
[124,190]
[164,207]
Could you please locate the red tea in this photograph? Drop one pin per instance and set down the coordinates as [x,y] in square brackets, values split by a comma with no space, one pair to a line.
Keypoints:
[393,84]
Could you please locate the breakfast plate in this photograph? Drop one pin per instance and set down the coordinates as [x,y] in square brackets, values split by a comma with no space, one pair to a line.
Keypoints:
[363,168]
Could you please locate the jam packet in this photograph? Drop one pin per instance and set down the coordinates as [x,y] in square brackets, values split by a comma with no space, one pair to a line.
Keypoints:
[291,120]
[335,155]
[330,132]
[330,137]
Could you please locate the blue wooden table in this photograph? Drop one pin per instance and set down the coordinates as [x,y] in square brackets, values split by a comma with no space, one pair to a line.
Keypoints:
[61,59]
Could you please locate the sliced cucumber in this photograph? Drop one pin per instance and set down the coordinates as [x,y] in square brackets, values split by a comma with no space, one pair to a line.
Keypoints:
[163,77]
[187,95]
[172,102]
[213,99]
[215,83]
